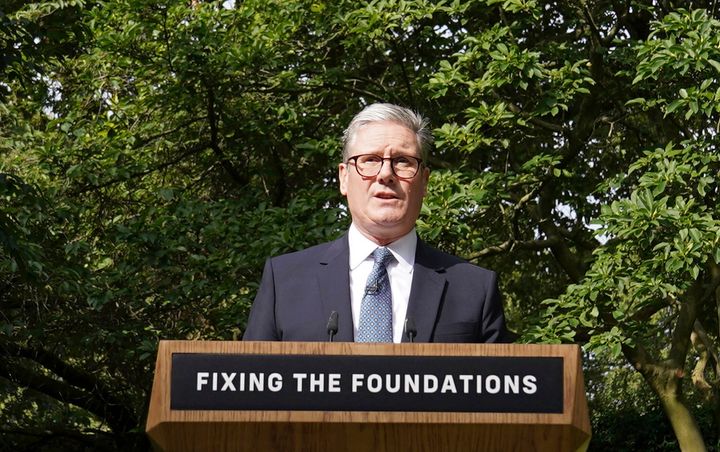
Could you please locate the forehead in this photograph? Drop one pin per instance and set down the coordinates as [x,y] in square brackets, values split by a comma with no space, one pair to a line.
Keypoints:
[382,136]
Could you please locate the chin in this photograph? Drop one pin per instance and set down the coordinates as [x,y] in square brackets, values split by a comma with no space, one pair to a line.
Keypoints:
[389,229]
[389,221]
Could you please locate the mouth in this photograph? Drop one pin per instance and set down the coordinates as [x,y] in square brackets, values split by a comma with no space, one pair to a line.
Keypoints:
[385,196]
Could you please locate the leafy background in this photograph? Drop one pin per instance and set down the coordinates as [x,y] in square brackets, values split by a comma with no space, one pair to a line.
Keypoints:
[154,154]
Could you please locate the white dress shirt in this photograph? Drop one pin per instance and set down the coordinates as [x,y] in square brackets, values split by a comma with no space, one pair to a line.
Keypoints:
[400,273]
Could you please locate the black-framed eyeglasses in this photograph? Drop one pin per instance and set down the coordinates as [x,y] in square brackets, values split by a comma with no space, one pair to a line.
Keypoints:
[369,165]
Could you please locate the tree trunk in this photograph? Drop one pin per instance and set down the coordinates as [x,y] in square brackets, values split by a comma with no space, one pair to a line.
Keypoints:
[686,429]
[665,380]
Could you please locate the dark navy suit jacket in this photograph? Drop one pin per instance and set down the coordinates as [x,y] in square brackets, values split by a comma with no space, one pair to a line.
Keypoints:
[451,300]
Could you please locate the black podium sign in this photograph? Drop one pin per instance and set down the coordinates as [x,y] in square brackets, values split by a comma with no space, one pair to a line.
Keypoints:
[482,384]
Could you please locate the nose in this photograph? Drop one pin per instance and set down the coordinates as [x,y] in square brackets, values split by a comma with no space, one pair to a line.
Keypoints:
[386,171]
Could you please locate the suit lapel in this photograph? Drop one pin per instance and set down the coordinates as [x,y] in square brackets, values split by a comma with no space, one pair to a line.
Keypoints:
[426,293]
[334,281]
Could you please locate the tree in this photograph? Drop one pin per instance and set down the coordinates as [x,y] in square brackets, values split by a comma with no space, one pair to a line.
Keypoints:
[153,154]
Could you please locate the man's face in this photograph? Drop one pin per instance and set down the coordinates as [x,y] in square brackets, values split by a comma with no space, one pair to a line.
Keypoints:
[383,207]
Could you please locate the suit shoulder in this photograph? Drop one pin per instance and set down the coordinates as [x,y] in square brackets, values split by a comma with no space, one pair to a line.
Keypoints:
[316,253]
[452,263]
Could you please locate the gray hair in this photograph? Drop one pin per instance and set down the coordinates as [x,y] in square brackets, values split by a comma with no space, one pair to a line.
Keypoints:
[394,113]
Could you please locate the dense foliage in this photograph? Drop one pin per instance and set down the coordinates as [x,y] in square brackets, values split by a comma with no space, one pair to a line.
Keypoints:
[153,154]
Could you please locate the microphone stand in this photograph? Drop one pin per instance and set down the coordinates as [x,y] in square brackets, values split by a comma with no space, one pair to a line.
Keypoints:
[332,325]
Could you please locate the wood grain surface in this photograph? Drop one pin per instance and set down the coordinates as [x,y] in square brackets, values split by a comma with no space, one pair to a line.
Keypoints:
[223,430]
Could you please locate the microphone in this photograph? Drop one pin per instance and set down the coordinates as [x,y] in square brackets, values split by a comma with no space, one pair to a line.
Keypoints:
[410,330]
[372,289]
[332,325]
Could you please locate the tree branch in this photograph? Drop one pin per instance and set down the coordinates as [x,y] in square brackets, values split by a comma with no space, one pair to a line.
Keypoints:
[406,79]
[535,121]
[215,141]
[598,39]
[76,387]
[572,265]
[165,133]
[708,355]
[511,244]
[695,297]
[193,150]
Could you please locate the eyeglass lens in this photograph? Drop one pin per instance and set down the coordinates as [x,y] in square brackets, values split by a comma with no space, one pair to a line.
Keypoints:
[402,166]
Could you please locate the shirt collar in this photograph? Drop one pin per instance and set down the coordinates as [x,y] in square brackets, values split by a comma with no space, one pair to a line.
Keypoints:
[361,247]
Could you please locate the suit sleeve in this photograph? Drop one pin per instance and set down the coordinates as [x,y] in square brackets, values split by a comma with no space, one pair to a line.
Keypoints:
[262,324]
[493,329]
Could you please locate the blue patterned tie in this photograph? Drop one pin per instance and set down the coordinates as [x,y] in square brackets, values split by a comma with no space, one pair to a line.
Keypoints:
[376,307]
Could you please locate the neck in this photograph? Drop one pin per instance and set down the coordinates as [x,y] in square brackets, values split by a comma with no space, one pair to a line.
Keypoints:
[381,240]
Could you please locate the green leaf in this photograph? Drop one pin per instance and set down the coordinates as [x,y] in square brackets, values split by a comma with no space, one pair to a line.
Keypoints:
[673,106]
[714,64]
[166,194]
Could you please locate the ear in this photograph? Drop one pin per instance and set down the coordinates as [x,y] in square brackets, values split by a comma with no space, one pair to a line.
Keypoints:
[342,178]
[425,179]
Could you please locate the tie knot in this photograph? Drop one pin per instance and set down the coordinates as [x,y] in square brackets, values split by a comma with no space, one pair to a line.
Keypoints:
[382,255]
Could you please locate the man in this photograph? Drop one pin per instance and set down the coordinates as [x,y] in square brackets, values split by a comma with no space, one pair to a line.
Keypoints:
[379,277]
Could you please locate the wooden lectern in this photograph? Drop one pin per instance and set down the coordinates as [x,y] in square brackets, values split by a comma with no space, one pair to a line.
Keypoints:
[417,408]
